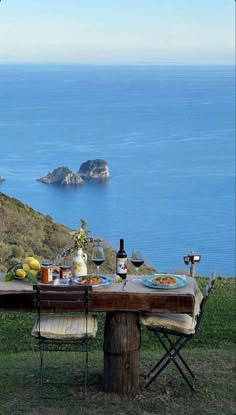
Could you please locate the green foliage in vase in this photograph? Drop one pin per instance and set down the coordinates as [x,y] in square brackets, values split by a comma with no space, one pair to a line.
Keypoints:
[80,236]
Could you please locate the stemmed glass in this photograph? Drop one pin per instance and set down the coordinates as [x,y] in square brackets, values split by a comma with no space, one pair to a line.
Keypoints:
[137,260]
[98,256]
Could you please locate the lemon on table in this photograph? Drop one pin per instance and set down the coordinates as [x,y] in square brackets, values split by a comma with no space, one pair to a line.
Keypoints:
[28,259]
[34,264]
[34,272]
[25,267]
[20,273]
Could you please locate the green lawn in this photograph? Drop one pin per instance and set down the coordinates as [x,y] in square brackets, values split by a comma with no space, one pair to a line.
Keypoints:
[211,355]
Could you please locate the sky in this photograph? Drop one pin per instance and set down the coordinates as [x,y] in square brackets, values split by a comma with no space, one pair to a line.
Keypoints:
[118,31]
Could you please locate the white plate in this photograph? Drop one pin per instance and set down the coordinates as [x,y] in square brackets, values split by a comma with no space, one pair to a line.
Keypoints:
[105,280]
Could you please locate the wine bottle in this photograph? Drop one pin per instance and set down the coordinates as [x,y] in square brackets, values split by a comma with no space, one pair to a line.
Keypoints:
[121,261]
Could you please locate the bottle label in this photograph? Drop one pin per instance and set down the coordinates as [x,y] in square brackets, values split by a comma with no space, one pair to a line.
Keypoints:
[50,274]
[65,273]
[47,274]
[121,266]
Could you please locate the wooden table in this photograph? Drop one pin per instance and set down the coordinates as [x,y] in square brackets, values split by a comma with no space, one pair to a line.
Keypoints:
[122,304]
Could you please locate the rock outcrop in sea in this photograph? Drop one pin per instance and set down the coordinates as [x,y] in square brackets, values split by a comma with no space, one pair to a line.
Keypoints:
[62,175]
[2,179]
[94,169]
[91,169]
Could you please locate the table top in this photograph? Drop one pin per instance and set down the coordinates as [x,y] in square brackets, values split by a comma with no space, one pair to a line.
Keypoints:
[128,295]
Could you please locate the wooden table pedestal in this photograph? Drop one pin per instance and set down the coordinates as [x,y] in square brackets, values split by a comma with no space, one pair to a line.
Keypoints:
[121,352]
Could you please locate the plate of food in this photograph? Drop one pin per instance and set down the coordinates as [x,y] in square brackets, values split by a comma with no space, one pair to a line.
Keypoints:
[165,281]
[94,280]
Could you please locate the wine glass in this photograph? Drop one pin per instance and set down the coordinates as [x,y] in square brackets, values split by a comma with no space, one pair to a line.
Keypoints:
[98,256]
[137,259]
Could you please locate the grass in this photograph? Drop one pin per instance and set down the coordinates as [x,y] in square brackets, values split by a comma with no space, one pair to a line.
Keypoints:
[170,395]
[211,355]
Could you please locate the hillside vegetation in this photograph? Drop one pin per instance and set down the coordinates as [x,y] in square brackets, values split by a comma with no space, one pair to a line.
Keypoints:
[26,232]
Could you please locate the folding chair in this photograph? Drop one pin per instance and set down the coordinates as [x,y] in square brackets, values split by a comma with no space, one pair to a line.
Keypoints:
[173,332]
[60,330]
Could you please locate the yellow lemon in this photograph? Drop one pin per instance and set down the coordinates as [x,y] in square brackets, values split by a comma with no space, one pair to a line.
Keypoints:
[34,272]
[28,259]
[20,273]
[34,264]
[26,267]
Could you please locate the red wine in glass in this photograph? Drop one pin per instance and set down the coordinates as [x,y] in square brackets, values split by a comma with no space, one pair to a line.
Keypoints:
[98,256]
[137,260]
[98,261]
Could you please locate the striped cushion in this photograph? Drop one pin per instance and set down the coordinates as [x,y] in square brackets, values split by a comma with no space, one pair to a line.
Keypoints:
[65,327]
[178,322]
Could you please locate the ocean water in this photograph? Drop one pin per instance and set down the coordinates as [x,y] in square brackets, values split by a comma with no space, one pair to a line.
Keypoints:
[167,134]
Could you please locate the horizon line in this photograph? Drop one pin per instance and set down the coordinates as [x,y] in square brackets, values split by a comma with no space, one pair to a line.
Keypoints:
[113,64]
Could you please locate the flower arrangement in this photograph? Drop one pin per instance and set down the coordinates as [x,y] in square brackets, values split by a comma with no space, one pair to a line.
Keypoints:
[80,236]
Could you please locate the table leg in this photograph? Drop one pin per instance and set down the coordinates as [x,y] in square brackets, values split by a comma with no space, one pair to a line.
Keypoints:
[121,352]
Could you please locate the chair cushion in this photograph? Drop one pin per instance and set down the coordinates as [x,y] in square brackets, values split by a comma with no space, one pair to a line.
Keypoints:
[65,327]
[182,323]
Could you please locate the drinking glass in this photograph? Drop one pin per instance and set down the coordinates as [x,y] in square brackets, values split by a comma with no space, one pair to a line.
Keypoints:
[137,260]
[98,256]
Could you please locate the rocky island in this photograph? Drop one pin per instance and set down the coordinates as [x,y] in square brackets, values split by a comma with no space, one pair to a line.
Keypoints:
[94,169]
[91,169]
[62,175]
[2,179]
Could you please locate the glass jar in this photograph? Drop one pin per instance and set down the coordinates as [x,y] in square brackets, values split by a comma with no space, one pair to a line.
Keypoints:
[65,271]
[47,272]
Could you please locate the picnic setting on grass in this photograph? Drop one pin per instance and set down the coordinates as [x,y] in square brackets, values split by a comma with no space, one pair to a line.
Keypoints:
[114,317]
[66,299]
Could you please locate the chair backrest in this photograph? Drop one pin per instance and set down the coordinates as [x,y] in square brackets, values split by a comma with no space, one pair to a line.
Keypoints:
[208,289]
[62,298]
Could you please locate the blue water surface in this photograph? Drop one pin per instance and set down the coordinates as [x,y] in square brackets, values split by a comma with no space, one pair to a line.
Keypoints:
[167,133]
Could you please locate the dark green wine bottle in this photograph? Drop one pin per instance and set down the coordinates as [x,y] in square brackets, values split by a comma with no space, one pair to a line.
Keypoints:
[121,261]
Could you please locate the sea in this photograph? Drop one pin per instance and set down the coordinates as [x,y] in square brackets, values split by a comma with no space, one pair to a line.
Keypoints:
[167,134]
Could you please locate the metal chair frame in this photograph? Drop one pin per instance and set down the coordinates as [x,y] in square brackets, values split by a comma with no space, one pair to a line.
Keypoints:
[173,341]
[61,299]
